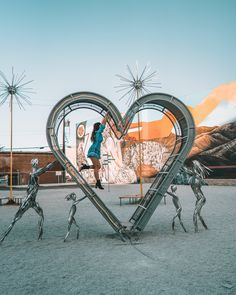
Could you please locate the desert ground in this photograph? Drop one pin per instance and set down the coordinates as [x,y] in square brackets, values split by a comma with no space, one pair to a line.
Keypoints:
[158,262]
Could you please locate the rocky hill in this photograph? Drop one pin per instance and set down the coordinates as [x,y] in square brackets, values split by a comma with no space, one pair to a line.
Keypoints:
[216,147]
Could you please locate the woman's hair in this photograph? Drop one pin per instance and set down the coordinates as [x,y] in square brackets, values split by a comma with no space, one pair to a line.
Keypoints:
[95,128]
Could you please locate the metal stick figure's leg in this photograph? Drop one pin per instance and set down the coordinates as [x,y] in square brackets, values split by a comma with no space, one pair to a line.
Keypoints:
[195,188]
[201,200]
[195,213]
[195,218]
[68,231]
[18,216]
[200,204]
[178,207]
[178,214]
[76,224]
[39,211]
[71,220]
[164,199]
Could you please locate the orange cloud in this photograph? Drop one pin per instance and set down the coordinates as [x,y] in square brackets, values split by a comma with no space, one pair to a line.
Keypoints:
[151,130]
[225,91]
[163,127]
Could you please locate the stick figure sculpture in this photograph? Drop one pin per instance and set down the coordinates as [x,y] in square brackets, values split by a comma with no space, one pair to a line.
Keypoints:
[197,173]
[71,218]
[30,200]
[177,205]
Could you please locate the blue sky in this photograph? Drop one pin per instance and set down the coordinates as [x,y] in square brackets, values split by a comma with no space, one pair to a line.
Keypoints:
[69,46]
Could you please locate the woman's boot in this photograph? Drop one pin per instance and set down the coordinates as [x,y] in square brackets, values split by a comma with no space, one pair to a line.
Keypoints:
[84,166]
[98,184]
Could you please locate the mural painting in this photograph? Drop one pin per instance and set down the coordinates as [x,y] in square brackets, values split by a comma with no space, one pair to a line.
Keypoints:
[215,142]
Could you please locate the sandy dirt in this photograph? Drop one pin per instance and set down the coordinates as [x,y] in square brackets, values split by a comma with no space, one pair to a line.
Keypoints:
[160,262]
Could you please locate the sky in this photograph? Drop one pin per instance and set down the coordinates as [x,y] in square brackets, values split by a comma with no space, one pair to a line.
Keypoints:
[71,46]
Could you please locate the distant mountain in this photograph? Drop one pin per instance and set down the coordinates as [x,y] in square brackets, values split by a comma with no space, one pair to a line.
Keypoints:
[204,129]
[216,147]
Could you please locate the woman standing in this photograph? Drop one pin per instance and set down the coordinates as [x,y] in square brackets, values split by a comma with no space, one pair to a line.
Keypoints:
[94,152]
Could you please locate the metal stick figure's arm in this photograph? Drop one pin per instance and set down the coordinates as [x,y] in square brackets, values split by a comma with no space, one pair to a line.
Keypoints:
[44,169]
[79,200]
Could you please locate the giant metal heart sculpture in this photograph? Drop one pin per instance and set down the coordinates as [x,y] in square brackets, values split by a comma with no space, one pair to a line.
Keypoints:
[182,122]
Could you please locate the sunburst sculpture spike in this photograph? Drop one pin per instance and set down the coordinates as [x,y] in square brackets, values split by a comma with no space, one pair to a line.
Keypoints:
[136,83]
[14,89]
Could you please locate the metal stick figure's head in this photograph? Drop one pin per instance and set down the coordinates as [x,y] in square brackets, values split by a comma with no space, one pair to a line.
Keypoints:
[34,163]
[71,196]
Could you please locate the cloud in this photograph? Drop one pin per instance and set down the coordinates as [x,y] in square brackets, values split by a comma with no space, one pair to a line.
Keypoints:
[224,113]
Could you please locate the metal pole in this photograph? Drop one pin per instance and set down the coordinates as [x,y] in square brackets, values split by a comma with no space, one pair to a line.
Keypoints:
[63,147]
[140,158]
[108,172]
[139,151]
[11,132]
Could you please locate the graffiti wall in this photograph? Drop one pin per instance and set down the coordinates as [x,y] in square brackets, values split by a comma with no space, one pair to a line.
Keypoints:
[149,143]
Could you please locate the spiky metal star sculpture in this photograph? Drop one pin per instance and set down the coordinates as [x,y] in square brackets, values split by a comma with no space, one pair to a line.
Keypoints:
[134,87]
[16,88]
[137,84]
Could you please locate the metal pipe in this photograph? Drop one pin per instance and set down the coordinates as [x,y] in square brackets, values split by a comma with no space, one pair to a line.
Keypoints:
[11,141]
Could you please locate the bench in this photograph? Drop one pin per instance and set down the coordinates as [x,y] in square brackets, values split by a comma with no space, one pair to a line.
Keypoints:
[18,200]
[133,199]
[1,199]
[4,181]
